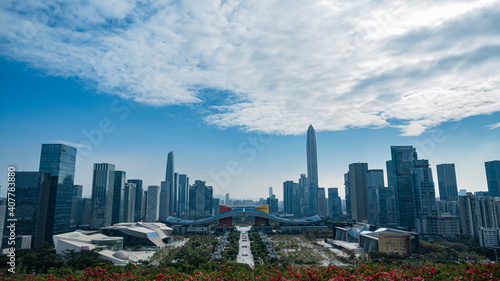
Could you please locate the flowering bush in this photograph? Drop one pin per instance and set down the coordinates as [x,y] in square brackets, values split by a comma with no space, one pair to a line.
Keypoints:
[420,270]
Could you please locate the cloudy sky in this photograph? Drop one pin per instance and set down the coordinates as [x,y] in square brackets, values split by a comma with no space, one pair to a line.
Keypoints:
[232,86]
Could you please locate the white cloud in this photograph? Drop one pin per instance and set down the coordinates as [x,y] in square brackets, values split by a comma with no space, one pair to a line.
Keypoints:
[493,126]
[286,63]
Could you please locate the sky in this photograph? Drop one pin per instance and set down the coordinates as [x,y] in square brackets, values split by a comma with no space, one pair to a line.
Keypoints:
[231,87]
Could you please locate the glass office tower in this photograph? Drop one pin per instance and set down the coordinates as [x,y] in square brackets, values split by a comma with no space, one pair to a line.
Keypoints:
[400,175]
[58,160]
[493,177]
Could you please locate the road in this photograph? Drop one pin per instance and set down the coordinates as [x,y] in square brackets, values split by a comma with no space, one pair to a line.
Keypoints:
[244,254]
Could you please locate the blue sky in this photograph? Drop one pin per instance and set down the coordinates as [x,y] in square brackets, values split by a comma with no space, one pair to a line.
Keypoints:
[231,87]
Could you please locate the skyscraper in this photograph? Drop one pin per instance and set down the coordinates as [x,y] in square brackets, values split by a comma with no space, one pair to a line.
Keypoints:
[129,203]
[322,210]
[303,195]
[447,182]
[359,191]
[226,200]
[167,193]
[58,160]
[374,182]
[401,177]
[32,201]
[183,194]
[164,201]
[347,187]
[200,199]
[138,199]
[174,210]
[291,199]
[425,196]
[153,203]
[118,197]
[493,177]
[312,170]
[334,203]
[270,191]
[103,184]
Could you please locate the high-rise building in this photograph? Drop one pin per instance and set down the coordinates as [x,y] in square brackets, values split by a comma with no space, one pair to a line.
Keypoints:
[58,160]
[312,170]
[347,187]
[77,190]
[118,197]
[493,177]
[303,195]
[103,184]
[215,206]
[359,191]
[200,199]
[81,214]
[477,212]
[129,203]
[144,205]
[153,203]
[175,200]
[447,181]
[387,207]
[138,199]
[3,210]
[322,210]
[425,197]
[226,202]
[32,202]
[374,182]
[270,191]
[334,203]
[164,201]
[291,199]
[77,195]
[167,194]
[273,204]
[401,177]
[183,194]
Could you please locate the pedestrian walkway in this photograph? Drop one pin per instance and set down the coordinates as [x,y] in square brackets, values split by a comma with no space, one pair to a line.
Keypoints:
[244,254]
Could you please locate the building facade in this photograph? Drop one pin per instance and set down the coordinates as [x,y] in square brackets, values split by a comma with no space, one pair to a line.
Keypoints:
[447,181]
[118,197]
[312,170]
[359,191]
[103,183]
[59,160]
[493,177]
[374,182]
[138,199]
[153,203]
[32,204]
[399,175]
[425,196]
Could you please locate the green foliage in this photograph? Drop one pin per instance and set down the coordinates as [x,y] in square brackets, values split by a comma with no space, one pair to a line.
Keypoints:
[83,259]
[317,234]
[38,260]
[197,251]
[457,250]
[258,248]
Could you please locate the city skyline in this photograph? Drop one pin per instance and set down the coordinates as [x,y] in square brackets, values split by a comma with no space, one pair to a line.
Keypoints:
[126,85]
